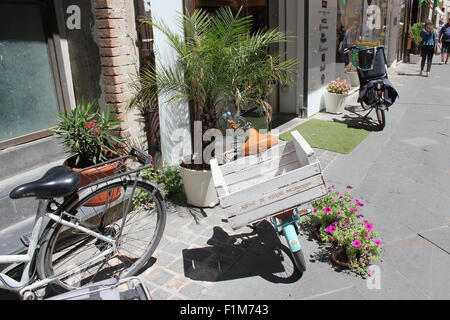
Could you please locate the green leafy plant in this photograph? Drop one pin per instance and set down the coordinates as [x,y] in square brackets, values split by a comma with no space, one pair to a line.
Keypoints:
[168,179]
[338,86]
[88,134]
[220,63]
[414,32]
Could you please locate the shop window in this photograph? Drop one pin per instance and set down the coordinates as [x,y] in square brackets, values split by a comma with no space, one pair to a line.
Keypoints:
[28,95]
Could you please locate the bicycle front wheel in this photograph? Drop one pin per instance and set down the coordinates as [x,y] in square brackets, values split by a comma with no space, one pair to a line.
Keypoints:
[90,259]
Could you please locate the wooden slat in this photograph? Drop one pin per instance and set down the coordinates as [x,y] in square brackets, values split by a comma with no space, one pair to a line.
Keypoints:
[262,185]
[274,208]
[276,195]
[245,162]
[281,171]
[302,148]
[271,166]
[219,182]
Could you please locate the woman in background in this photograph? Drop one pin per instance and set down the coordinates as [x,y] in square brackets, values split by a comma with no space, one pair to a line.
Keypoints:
[429,38]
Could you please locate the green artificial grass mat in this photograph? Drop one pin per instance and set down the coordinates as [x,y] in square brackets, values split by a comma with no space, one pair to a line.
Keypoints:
[327,135]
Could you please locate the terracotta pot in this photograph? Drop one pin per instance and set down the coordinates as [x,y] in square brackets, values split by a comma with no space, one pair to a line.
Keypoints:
[339,257]
[318,236]
[94,174]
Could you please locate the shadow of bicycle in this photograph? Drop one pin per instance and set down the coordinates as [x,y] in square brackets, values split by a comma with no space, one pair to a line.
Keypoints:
[356,119]
[257,253]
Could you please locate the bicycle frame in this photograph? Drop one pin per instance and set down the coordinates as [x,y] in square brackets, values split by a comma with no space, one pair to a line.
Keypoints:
[21,286]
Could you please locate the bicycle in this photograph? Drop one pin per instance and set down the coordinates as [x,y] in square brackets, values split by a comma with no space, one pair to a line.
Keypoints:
[370,61]
[285,223]
[85,242]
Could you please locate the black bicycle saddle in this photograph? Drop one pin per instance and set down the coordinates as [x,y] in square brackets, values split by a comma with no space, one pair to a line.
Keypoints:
[57,182]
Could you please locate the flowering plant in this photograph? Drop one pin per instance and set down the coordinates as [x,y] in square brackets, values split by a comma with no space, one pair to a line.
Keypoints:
[338,86]
[328,211]
[338,215]
[360,242]
[88,134]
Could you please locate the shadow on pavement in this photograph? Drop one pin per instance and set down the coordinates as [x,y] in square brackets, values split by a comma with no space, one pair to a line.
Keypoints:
[257,253]
[357,120]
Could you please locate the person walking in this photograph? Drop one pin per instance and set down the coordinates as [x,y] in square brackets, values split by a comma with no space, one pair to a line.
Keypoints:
[429,38]
[444,39]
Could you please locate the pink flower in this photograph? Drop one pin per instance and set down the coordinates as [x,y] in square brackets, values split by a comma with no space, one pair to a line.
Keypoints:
[349,187]
[338,213]
[359,204]
[359,216]
[366,236]
[95,132]
[315,210]
[368,226]
[327,210]
[356,243]
[331,229]
[353,209]
[377,242]
[88,125]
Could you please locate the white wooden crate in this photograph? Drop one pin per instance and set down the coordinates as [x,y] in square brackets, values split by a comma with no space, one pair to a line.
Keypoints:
[258,186]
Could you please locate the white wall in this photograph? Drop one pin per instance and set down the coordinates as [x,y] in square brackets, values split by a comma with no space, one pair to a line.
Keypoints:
[174,116]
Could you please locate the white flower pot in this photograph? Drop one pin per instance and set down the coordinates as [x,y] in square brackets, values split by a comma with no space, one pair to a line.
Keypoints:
[334,102]
[199,187]
[353,78]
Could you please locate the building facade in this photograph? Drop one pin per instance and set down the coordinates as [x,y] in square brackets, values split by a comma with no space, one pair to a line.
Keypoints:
[54,53]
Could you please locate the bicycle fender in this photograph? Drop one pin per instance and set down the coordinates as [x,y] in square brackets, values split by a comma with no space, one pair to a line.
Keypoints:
[156,189]
[291,237]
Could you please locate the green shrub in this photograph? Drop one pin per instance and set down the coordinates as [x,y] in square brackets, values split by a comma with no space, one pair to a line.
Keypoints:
[168,179]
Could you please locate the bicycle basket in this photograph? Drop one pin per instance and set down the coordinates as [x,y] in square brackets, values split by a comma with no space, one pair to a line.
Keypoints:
[371,63]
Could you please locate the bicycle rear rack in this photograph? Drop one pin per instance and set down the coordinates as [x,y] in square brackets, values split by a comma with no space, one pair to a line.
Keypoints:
[114,169]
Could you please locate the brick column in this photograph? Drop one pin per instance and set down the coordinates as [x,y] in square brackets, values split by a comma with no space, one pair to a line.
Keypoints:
[116,32]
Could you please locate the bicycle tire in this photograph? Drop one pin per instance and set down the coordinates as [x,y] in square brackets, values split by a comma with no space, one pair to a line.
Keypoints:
[61,245]
[299,260]
[381,116]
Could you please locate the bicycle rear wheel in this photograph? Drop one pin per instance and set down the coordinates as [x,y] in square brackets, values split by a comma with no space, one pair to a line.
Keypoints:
[137,236]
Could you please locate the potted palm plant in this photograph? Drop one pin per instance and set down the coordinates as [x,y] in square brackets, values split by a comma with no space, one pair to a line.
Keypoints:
[88,135]
[220,63]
